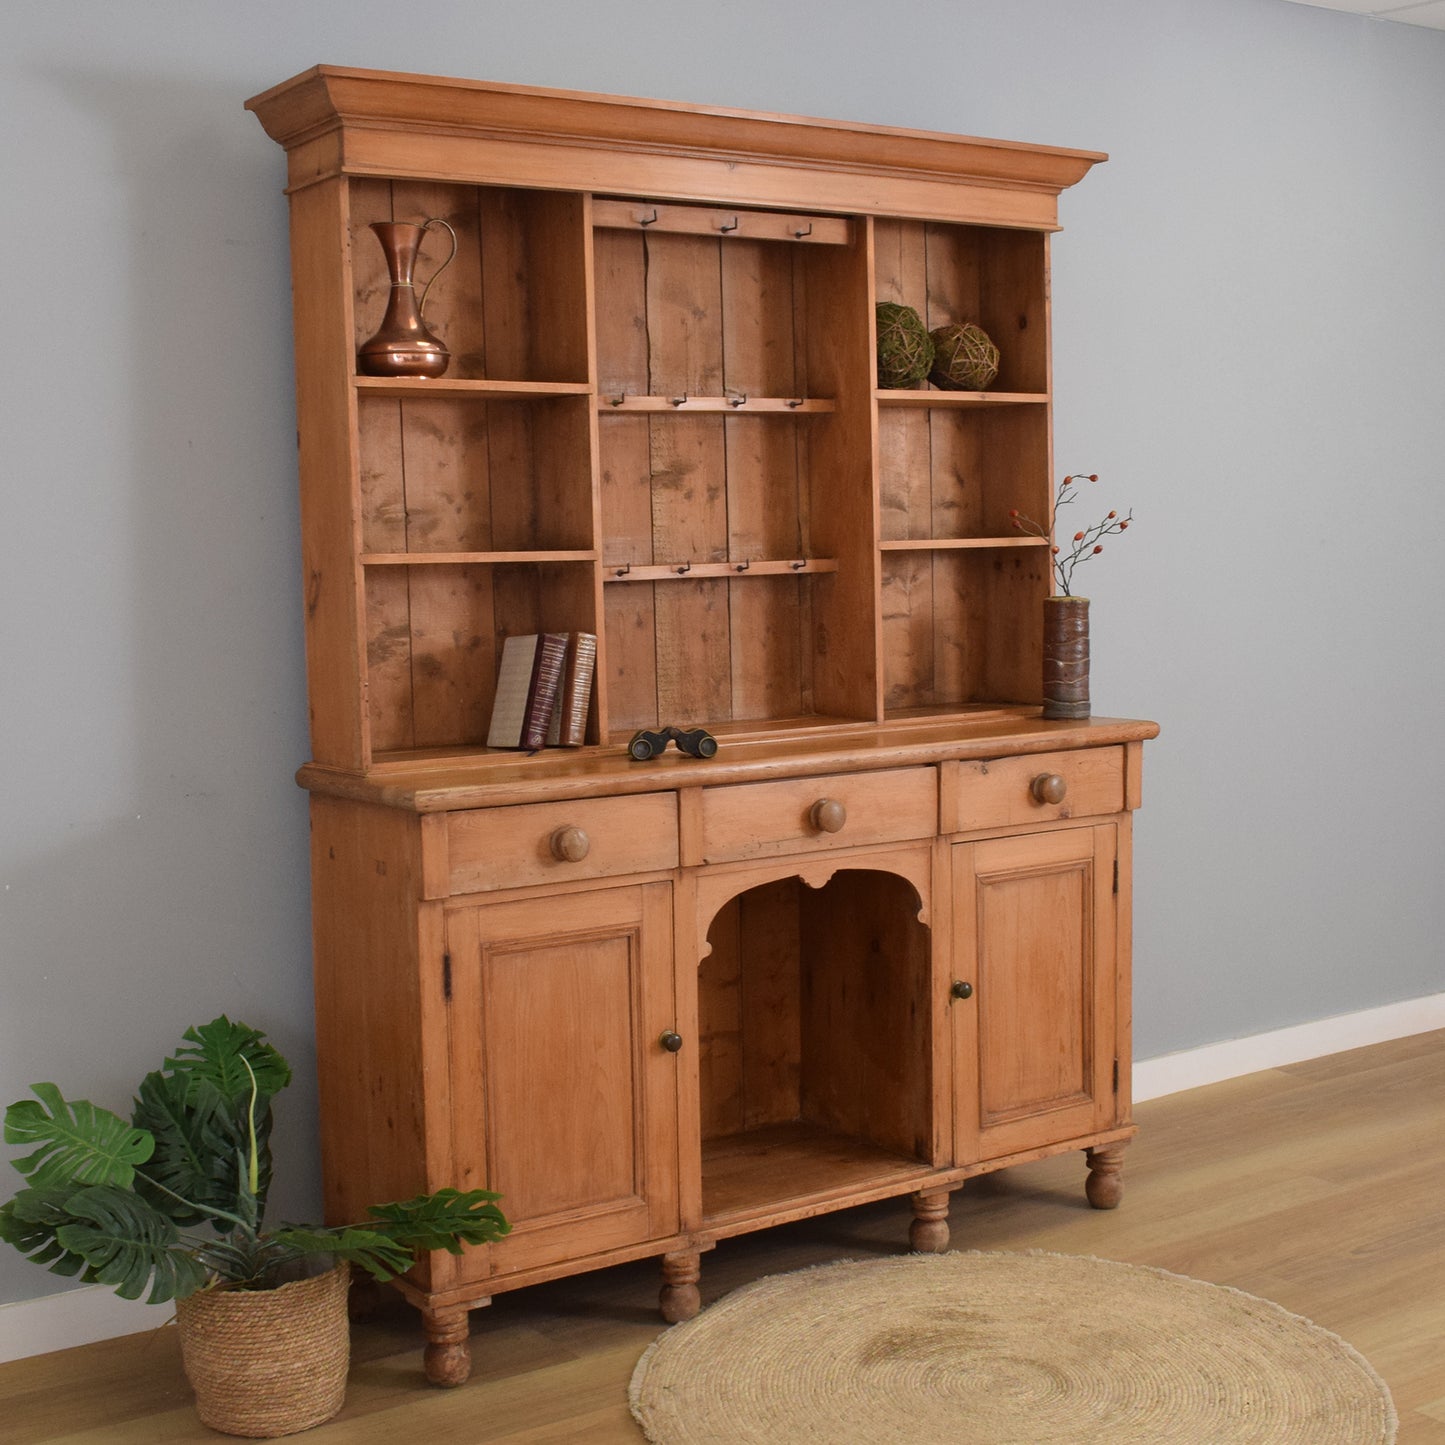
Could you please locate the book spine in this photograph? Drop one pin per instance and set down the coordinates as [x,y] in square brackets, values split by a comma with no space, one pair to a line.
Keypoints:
[546,684]
[577,691]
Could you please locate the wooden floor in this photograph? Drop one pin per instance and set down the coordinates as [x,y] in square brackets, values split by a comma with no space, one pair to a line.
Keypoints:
[1320,1186]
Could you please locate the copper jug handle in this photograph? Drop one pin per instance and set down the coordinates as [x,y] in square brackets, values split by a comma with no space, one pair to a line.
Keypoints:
[426,226]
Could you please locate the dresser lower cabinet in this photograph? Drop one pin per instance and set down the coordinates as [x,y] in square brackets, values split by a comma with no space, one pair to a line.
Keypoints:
[655,1020]
[1041,1007]
[562,1092]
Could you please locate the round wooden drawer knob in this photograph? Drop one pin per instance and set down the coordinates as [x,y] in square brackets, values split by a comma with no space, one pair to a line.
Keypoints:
[1049,788]
[828,815]
[570,845]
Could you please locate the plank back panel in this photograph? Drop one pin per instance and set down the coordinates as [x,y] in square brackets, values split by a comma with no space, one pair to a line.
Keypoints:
[865,1016]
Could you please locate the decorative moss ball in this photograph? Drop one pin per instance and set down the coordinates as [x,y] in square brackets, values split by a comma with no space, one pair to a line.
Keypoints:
[964,359]
[905,350]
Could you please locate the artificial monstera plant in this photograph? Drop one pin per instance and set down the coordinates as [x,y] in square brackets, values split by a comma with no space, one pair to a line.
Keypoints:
[174,1200]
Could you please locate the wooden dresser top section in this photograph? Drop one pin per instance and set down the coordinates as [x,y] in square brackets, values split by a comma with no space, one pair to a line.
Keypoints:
[337,121]
[500,779]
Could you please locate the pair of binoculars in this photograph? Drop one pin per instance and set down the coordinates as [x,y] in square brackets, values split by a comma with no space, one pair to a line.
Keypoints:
[695,742]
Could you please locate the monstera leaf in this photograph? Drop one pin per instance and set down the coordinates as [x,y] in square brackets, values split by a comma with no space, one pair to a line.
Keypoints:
[79,1143]
[129,1244]
[381,1257]
[231,1056]
[199,1135]
[29,1221]
[110,1234]
[387,1244]
[444,1220]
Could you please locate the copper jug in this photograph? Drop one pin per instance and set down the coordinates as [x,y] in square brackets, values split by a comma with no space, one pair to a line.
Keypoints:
[403,346]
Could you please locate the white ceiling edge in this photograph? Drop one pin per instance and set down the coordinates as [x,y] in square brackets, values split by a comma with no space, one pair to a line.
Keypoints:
[1427,13]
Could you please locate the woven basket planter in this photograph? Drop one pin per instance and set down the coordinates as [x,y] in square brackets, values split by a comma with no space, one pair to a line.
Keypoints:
[265,1363]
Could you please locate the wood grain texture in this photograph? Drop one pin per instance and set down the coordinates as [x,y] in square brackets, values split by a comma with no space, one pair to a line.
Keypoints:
[492,848]
[1034,931]
[373,996]
[767,819]
[1000,793]
[378,104]
[596,1168]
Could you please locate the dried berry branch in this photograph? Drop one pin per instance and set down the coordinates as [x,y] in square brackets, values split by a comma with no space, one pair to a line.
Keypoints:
[1083,545]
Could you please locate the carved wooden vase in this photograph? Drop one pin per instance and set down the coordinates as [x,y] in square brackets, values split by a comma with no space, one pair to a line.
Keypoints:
[1066,657]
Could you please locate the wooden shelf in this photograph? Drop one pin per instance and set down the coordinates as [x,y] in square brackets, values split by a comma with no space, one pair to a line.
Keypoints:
[458,389]
[792,1170]
[468,559]
[749,405]
[938,544]
[683,571]
[936,399]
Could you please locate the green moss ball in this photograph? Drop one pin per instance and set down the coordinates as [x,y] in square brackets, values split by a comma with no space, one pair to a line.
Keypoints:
[905,350]
[964,359]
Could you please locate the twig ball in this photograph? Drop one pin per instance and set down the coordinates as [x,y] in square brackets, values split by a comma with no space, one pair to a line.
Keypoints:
[905,350]
[964,359]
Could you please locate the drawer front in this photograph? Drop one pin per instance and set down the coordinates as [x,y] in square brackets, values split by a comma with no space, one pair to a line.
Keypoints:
[802,815]
[554,842]
[1009,791]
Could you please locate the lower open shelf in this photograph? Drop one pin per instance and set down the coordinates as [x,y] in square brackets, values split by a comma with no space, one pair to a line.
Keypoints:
[788,1171]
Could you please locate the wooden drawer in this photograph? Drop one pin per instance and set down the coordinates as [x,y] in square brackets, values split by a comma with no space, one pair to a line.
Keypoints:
[515,847]
[802,815]
[1008,791]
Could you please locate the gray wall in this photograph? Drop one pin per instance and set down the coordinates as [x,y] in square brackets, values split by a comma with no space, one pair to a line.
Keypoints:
[1249,305]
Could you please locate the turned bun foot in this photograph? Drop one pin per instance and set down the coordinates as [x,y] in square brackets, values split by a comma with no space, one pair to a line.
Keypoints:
[680,1298]
[448,1365]
[448,1356]
[1105,1185]
[928,1234]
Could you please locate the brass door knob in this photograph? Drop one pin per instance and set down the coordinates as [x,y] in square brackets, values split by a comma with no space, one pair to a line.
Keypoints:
[570,845]
[1049,788]
[672,1042]
[961,989]
[828,815]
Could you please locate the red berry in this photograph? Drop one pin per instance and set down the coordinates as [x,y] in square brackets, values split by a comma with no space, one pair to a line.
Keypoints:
[1078,536]
[1093,479]
[1099,549]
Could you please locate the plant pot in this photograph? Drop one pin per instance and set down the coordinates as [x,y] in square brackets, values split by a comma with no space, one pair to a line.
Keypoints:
[1066,657]
[265,1363]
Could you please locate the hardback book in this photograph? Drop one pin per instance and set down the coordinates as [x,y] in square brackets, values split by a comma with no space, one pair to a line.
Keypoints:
[528,682]
[569,717]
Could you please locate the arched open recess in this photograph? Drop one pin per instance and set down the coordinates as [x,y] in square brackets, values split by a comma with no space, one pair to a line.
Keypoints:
[816,1049]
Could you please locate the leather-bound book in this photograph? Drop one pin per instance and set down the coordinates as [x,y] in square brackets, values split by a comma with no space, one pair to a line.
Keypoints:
[528,682]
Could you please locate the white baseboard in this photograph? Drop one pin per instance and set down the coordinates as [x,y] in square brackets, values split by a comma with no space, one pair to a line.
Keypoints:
[82,1316]
[1231,1058]
[73,1317]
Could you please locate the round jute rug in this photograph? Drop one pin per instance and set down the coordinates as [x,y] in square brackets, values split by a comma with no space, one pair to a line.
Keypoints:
[1003,1349]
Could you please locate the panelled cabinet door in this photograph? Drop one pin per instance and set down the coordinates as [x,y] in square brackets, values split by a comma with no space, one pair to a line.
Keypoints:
[563,1098]
[1034,1040]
